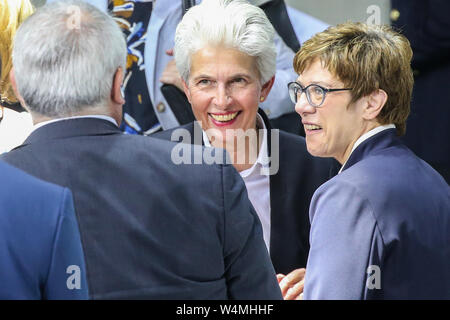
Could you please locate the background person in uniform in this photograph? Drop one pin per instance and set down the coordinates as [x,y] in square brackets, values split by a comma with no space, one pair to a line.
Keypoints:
[224,51]
[150,228]
[426,25]
[385,218]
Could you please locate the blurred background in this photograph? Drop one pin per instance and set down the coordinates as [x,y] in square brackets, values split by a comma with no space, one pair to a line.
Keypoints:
[330,11]
[426,25]
[338,11]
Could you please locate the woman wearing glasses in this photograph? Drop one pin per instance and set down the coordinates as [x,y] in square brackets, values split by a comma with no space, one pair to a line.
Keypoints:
[380,228]
[225,54]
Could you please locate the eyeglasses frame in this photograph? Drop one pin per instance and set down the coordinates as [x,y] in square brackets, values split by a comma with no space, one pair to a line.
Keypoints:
[304,90]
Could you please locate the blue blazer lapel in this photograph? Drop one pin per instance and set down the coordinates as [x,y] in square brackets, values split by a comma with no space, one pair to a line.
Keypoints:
[280,213]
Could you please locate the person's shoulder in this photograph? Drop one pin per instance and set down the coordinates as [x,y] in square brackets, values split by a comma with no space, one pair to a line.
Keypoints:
[393,178]
[175,134]
[15,180]
[389,167]
[30,200]
[401,192]
[368,174]
[182,156]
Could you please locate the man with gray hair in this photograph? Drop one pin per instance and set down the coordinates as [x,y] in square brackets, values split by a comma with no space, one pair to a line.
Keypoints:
[150,28]
[145,232]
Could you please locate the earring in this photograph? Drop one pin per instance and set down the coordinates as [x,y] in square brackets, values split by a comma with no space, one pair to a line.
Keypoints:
[262,99]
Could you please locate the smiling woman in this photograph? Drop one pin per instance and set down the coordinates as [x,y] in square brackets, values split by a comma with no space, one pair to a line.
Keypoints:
[224,89]
[386,210]
[224,51]
[227,70]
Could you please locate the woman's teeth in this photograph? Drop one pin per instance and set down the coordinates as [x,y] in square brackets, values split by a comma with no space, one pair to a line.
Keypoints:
[312,127]
[224,117]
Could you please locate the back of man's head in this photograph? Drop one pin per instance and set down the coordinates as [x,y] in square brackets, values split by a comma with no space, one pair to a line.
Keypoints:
[65,57]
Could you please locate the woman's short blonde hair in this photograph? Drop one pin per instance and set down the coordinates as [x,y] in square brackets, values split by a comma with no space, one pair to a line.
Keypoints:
[366,58]
[12,13]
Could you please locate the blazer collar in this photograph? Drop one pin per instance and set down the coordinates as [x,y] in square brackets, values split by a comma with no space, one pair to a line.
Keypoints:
[382,140]
[72,128]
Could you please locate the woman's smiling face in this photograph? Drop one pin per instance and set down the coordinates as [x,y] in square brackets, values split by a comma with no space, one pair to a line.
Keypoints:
[224,89]
[333,128]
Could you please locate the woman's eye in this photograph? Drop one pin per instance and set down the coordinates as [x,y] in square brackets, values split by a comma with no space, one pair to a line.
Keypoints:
[239,82]
[317,91]
[204,82]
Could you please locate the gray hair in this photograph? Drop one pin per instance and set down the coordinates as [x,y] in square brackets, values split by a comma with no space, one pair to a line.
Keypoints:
[228,23]
[65,57]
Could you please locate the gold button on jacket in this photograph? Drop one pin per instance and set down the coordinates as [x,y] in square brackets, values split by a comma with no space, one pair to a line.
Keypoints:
[395,14]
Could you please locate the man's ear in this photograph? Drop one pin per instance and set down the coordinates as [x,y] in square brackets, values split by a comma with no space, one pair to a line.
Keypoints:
[12,78]
[375,103]
[266,87]
[116,91]
[186,90]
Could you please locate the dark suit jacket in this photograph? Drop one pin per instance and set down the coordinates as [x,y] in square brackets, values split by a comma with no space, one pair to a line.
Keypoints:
[291,190]
[150,228]
[40,249]
[426,25]
[381,228]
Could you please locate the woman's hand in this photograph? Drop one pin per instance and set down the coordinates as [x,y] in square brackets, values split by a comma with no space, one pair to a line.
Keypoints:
[292,284]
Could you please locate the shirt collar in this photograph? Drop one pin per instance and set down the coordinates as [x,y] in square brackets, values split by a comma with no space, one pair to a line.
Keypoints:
[41,124]
[263,157]
[366,136]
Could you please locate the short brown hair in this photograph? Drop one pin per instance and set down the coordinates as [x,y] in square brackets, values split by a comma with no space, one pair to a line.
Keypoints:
[366,58]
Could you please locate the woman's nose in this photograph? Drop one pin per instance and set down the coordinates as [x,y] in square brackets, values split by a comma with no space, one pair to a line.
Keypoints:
[221,97]
[302,106]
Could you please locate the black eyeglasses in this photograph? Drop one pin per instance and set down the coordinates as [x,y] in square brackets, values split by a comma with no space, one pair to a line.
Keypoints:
[315,94]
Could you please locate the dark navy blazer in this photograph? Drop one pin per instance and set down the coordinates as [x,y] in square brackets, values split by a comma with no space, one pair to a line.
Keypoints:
[40,249]
[381,228]
[426,25]
[152,228]
[291,189]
